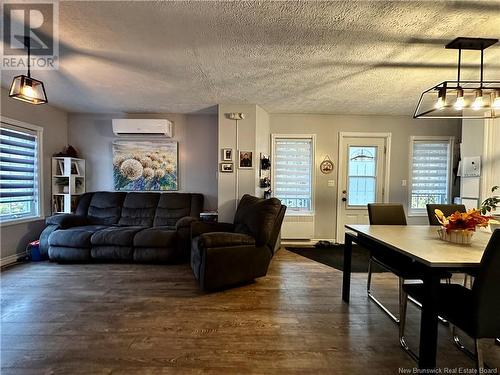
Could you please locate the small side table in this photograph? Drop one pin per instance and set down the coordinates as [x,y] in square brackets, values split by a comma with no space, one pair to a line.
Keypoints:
[209,216]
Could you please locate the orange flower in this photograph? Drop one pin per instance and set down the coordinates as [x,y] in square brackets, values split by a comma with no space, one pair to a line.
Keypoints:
[462,220]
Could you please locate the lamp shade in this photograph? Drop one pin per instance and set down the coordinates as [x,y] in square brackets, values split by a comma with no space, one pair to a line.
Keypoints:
[28,90]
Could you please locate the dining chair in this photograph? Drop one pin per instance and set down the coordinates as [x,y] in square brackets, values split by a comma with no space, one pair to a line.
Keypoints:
[402,267]
[475,311]
[446,209]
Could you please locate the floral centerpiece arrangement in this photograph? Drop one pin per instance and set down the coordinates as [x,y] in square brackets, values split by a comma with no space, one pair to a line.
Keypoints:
[460,226]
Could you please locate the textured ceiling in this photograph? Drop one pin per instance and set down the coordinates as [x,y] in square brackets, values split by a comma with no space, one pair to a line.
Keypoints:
[371,57]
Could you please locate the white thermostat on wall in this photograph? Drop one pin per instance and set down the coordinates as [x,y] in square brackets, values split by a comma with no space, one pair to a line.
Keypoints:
[471,166]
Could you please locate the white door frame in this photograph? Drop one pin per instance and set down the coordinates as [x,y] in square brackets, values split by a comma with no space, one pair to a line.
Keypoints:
[342,163]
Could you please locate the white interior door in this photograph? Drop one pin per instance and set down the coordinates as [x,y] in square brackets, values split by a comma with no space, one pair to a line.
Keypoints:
[362,179]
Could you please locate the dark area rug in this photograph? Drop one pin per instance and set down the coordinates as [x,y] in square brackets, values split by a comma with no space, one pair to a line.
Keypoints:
[334,257]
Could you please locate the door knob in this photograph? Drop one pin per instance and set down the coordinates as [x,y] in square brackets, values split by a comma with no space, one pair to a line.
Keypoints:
[344,195]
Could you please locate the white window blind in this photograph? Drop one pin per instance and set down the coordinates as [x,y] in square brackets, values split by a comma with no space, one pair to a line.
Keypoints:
[292,173]
[19,186]
[430,173]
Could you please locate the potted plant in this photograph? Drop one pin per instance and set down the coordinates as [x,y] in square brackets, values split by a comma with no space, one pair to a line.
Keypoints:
[460,226]
[490,205]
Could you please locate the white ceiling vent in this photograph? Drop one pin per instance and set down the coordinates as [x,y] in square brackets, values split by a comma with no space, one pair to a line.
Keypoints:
[142,127]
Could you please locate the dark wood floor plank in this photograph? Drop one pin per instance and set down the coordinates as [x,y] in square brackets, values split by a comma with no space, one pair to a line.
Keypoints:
[152,319]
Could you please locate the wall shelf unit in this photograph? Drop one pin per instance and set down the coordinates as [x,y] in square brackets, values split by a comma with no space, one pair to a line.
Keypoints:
[68,182]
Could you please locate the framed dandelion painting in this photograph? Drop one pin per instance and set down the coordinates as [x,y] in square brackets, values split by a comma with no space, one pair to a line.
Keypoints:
[145,165]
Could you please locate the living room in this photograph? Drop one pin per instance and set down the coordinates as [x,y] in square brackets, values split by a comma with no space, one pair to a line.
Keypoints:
[194,187]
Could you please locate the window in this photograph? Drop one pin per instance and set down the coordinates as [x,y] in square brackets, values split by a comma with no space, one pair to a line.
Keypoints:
[19,173]
[362,175]
[429,172]
[293,158]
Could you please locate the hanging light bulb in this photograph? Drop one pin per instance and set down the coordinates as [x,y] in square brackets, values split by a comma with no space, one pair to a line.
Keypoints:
[478,101]
[460,102]
[441,99]
[496,101]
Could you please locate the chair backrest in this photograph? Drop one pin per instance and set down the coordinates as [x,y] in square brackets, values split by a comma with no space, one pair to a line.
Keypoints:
[173,206]
[446,209]
[486,299]
[139,209]
[105,207]
[257,218]
[386,214]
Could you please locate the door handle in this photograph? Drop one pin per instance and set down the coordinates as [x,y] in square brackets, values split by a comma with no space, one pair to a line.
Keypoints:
[344,195]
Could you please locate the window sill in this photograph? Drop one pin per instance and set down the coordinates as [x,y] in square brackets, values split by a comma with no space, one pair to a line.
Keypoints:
[21,221]
[295,213]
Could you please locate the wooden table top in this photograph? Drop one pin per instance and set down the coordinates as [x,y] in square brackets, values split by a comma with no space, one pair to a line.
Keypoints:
[421,242]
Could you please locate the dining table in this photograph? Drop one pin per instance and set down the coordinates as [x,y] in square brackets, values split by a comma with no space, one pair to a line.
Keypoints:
[422,245]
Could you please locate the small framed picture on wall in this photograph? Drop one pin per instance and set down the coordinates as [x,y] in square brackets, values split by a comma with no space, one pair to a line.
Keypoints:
[246,159]
[226,167]
[227,154]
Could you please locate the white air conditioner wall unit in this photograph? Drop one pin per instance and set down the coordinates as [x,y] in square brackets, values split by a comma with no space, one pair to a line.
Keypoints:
[144,127]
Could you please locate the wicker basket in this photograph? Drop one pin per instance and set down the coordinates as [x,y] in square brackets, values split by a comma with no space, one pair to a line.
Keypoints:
[460,236]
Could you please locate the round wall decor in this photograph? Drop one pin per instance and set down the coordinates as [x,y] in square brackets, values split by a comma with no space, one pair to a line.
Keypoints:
[326,166]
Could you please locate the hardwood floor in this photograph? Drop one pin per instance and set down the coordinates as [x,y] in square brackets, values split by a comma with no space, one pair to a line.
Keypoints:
[151,319]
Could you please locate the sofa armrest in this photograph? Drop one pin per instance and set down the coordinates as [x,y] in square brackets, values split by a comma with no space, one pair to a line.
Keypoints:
[66,220]
[200,227]
[224,239]
[185,222]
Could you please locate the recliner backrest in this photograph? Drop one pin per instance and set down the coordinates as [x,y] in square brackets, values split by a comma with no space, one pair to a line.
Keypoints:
[446,209]
[105,207]
[174,206]
[257,218]
[139,209]
[486,298]
[386,214]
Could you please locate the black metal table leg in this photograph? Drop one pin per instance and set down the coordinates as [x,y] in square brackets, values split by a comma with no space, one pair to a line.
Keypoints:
[429,322]
[346,281]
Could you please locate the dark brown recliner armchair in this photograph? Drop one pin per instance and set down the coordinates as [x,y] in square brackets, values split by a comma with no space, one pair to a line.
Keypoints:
[225,255]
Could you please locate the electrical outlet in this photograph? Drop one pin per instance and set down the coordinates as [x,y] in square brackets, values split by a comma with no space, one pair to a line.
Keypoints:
[403,182]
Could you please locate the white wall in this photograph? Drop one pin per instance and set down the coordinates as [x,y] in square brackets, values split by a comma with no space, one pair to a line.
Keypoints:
[482,138]
[246,142]
[14,238]
[327,128]
[92,135]
[262,143]
[253,135]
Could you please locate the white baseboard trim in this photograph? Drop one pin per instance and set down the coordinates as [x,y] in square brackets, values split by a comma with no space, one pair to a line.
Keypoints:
[305,243]
[10,259]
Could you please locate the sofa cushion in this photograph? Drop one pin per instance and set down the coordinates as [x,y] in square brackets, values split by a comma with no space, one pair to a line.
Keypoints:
[115,236]
[105,208]
[156,255]
[174,206]
[74,237]
[139,209]
[111,252]
[156,237]
[256,217]
[69,254]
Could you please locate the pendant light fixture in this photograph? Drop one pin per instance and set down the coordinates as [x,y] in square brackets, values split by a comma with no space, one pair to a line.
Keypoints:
[462,99]
[25,88]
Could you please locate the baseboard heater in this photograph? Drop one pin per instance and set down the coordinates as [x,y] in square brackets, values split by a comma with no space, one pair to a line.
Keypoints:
[297,227]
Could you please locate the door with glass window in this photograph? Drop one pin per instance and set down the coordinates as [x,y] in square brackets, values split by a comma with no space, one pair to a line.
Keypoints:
[361,179]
